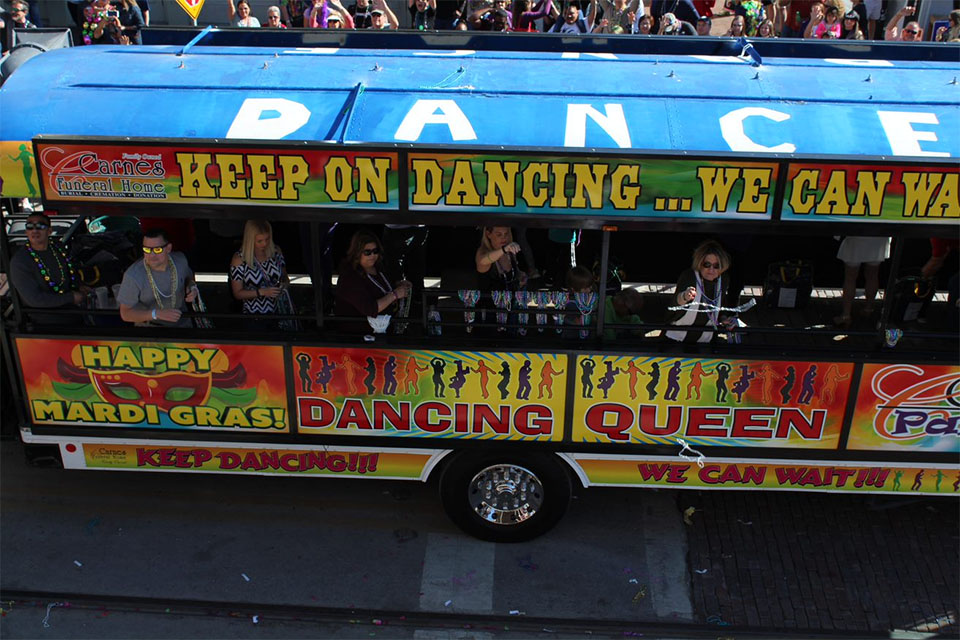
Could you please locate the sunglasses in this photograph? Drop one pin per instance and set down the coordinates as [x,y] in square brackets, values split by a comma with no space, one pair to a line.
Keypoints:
[18,11]
[371,252]
[710,265]
[149,250]
[911,31]
[39,226]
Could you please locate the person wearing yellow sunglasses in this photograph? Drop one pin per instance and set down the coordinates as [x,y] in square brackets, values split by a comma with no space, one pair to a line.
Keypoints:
[156,289]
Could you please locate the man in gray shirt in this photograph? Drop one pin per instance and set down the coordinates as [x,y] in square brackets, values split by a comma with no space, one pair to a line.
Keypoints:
[42,275]
[155,290]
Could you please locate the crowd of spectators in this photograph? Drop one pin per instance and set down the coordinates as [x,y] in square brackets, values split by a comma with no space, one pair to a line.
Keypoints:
[119,21]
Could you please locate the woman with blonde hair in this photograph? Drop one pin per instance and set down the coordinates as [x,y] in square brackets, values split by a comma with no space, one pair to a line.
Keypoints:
[496,261]
[258,272]
[700,290]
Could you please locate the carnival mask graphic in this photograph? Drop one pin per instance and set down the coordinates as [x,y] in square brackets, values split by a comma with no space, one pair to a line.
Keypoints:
[163,390]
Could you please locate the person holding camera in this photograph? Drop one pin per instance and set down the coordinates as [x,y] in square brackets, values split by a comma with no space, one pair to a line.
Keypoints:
[115,25]
[911,32]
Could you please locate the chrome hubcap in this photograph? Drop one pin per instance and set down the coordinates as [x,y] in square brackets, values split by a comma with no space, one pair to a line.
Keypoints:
[505,494]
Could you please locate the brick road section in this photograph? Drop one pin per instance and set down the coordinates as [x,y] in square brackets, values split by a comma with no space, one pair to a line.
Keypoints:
[824,562]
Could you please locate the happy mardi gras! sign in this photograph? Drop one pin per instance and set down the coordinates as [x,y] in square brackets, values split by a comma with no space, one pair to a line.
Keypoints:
[154,385]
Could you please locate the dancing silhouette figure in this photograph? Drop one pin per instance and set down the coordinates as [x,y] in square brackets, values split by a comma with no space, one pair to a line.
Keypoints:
[742,383]
[303,371]
[831,379]
[326,372]
[787,389]
[368,381]
[352,370]
[546,379]
[696,379]
[633,370]
[768,376]
[723,371]
[411,376]
[587,366]
[609,376]
[654,380]
[390,376]
[459,378]
[438,367]
[673,381]
[483,371]
[806,387]
[523,381]
[504,384]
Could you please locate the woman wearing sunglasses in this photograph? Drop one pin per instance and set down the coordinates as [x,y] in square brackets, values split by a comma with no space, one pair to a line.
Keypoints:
[700,291]
[363,289]
[43,275]
[155,290]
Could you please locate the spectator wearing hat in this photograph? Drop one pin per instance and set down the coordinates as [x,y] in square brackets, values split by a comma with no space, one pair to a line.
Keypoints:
[704,24]
[381,17]
[850,28]
[670,25]
[327,14]
[682,9]
[861,10]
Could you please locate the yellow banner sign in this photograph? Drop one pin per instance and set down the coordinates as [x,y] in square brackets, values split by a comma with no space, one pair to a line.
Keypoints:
[841,477]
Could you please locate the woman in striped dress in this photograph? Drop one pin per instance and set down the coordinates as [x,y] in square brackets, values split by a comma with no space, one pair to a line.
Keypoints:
[258,272]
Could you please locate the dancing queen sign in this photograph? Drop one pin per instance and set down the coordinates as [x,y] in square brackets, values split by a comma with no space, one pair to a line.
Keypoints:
[709,402]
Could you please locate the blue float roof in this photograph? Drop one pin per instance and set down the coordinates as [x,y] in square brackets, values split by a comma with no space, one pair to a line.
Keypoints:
[563,96]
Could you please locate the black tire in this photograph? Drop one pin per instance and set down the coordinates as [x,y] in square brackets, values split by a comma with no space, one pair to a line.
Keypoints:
[547,488]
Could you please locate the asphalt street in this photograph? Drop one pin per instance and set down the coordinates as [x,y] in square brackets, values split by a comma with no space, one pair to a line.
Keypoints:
[385,546]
